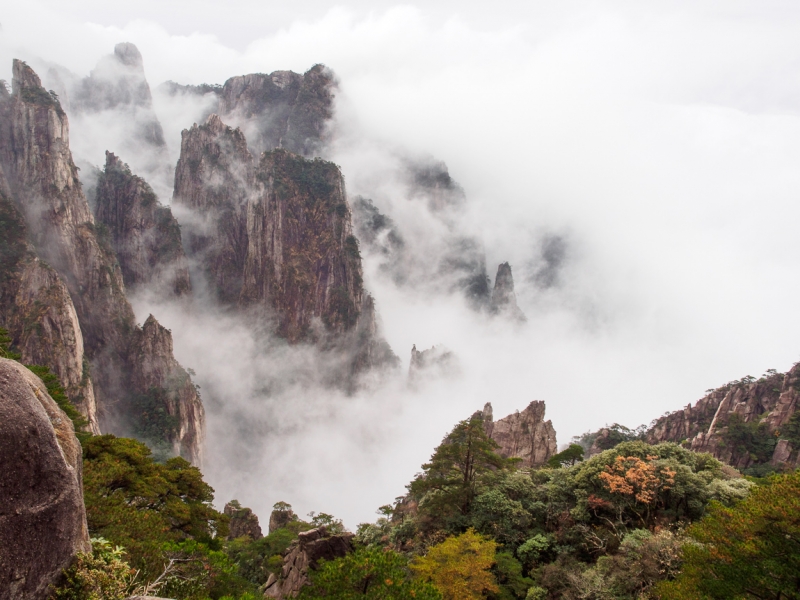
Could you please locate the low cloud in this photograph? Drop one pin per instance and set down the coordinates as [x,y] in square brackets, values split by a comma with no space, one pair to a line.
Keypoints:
[637,166]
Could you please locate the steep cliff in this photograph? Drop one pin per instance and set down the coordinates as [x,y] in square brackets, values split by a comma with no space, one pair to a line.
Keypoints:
[42,515]
[744,423]
[276,239]
[165,405]
[117,97]
[42,181]
[143,233]
[525,435]
[504,300]
[214,179]
[37,311]
[280,110]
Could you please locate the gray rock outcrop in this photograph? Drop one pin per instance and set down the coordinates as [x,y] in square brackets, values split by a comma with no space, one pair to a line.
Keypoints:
[504,300]
[42,515]
[281,515]
[40,180]
[281,109]
[304,554]
[243,522]
[769,401]
[157,372]
[117,95]
[435,361]
[143,233]
[38,313]
[524,435]
[276,240]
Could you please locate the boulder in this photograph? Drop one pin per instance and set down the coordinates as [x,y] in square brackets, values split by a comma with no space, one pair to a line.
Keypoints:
[244,522]
[304,554]
[42,515]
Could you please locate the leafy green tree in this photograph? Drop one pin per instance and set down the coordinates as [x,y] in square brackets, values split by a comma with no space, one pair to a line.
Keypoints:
[460,566]
[508,572]
[161,514]
[448,483]
[749,550]
[367,573]
[567,458]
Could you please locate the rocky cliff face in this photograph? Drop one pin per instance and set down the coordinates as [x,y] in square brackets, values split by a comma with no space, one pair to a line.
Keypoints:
[525,435]
[280,110]
[304,554]
[243,522]
[42,516]
[161,382]
[143,233]
[38,313]
[742,423]
[117,96]
[42,181]
[504,300]
[275,238]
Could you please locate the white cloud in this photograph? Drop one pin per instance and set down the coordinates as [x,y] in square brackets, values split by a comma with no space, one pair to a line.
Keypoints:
[663,141]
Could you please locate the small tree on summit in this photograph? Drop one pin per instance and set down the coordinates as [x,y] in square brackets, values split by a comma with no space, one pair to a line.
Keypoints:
[448,482]
[567,458]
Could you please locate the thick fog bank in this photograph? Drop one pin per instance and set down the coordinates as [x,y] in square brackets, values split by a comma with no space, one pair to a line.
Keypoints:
[636,166]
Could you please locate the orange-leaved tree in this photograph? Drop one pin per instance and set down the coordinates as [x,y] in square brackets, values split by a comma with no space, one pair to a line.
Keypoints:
[460,566]
[635,485]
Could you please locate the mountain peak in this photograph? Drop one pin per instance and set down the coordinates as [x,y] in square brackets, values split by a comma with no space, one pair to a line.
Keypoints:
[128,54]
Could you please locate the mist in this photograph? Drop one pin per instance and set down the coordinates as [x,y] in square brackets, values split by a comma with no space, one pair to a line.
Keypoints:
[636,166]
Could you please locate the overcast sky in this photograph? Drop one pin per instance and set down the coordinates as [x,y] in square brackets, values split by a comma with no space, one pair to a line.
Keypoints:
[662,143]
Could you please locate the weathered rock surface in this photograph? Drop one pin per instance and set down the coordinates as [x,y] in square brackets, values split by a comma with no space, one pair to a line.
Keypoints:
[38,313]
[281,515]
[525,435]
[144,234]
[504,300]
[42,516]
[243,523]
[116,95]
[42,181]
[276,239]
[771,401]
[280,110]
[160,378]
[436,361]
[304,554]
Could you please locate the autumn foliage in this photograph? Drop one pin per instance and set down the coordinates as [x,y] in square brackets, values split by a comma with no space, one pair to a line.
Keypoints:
[460,566]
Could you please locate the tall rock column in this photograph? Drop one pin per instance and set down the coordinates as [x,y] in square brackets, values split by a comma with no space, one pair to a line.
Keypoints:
[525,435]
[42,181]
[144,234]
[276,241]
[504,300]
[302,256]
[163,382]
